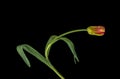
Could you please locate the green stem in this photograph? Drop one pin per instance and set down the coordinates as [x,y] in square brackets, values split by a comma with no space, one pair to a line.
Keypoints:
[52,42]
[69,32]
[66,33]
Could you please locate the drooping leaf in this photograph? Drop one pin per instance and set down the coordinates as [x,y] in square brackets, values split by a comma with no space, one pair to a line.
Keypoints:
[71,46]
[37,55]
[23,56]
[31,51]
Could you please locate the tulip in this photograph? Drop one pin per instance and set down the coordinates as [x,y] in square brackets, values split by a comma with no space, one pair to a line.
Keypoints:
[96,30]
[92,30]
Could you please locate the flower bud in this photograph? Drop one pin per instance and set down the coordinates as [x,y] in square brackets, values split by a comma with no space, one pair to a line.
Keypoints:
[96,30]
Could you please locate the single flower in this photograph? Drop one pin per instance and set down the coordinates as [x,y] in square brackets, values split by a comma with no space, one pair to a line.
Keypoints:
[96,30]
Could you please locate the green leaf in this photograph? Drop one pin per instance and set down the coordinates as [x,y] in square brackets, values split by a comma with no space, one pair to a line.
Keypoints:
[31,51]
[50,39]
[70,44]
[72,48]
[36,54]
[50,42]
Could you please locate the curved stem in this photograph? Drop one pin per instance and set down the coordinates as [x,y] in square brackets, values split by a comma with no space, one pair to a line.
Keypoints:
[69,32]
[66,33]
[52,42]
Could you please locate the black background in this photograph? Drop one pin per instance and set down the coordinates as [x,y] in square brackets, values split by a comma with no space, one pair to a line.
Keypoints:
[34,27]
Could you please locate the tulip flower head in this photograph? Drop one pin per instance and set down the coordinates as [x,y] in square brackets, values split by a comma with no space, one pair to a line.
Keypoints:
[96,30]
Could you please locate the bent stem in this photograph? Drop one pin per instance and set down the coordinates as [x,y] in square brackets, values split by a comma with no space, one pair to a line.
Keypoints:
[54,40]
[73,31]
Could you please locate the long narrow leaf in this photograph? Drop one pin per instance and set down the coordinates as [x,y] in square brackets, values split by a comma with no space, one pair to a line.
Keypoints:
[31,51]
[72,47]
[36,54]
[66,40]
